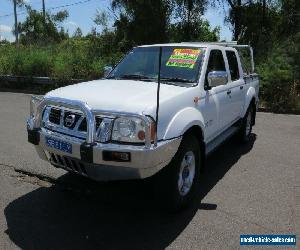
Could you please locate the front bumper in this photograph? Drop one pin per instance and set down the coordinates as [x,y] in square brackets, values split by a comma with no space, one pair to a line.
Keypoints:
[89,161]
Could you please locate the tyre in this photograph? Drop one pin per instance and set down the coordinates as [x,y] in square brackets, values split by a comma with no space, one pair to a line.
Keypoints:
[247,123]
[177,184]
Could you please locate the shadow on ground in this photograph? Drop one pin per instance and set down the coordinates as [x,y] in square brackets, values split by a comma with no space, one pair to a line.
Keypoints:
[80,214]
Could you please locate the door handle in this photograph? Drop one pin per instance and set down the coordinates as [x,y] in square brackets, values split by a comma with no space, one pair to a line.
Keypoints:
[241,87]
[228,92]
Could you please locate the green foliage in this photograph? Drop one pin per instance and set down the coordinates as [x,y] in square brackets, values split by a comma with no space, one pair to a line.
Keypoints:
[101,18]
[38,30]
[77,33]
[280,78]
[25,62]
[189,24]
[272,28]
[77,58]
[36,62]
[142,22]
[152,21]
[59,17]
[200,31]
[62,66]
[6,51]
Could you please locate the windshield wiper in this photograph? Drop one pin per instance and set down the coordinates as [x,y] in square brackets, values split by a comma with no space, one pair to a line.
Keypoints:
[176,79]
[135,76]
[110,77]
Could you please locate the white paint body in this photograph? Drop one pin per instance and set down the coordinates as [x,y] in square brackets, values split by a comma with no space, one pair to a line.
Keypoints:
[214,113]
[216,110]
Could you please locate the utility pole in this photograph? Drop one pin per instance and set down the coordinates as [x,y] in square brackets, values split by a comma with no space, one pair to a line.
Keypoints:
[16,23]
[44,11]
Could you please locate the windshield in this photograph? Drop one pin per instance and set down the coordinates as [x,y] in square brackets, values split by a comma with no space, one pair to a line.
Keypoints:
[178,65]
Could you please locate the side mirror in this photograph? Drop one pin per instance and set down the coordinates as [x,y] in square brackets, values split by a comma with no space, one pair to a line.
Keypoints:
[107,70]
[216,78]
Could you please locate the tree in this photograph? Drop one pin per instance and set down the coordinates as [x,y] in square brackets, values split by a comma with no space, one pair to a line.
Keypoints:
[235,14]
[142,22]
[253,22]
[158,21]
[37,30]
[77,33]
[200,31]
[101,19]
[189,13]
[280,77]
[235,17]
[290,18]
[16,32]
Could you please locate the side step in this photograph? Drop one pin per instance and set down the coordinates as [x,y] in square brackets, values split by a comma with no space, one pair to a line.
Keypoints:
[220,139]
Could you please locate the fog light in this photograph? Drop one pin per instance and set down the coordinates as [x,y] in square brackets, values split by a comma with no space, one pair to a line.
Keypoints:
[116,156]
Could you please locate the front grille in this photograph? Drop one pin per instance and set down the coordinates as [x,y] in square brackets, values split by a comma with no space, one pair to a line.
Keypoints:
[98,122]
[68,163]
[66,115]
[54,116]
[67,121]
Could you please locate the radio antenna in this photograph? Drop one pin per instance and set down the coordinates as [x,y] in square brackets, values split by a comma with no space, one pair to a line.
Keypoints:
[157,93]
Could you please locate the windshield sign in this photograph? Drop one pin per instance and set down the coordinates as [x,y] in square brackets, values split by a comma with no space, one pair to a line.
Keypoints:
[185,58]
[179,65]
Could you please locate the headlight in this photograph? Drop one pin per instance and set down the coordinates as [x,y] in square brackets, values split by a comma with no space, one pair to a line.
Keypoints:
[130,130]
[34,103]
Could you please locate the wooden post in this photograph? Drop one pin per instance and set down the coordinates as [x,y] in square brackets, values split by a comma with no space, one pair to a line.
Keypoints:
[16,23]
[44,10]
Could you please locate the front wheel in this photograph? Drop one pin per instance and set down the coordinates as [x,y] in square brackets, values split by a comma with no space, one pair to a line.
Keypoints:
[177,183]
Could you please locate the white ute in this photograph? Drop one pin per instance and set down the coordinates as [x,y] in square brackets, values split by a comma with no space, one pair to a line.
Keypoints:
[158,113]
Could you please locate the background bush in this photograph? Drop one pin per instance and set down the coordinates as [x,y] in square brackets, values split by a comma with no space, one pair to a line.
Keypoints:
[70,59]
[279,78]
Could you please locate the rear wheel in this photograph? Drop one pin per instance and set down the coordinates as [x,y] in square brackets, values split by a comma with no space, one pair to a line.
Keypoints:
[247,123]
[178,183]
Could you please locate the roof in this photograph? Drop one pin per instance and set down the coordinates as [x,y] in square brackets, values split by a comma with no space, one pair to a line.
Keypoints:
[174,45]
[195,44]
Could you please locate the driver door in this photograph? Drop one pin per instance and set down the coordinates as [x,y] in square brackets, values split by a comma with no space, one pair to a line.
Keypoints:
[220,93]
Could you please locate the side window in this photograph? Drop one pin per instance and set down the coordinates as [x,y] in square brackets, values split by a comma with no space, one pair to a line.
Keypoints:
[215,62]
[233,65]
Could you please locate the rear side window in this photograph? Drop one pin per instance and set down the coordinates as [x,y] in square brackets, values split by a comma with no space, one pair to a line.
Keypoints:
[233,65]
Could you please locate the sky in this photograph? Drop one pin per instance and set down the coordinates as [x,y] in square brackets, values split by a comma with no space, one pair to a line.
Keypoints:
[81,14]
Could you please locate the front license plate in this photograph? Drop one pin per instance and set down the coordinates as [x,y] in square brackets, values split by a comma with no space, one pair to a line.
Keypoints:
[59,145]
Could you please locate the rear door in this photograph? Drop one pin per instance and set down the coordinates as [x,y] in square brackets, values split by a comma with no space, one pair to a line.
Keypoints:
[235,85]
